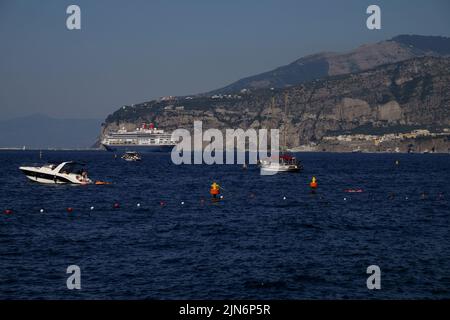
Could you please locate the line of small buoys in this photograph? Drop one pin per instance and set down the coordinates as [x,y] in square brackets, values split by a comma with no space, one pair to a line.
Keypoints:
[162,203]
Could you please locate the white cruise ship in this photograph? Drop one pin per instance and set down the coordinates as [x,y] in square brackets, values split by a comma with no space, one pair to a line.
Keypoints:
[144,139]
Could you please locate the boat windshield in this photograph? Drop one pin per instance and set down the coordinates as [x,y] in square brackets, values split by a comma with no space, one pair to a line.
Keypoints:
[72,167]
[51,166]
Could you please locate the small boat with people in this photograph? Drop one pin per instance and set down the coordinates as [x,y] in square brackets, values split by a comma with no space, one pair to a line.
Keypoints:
[132,156]
[284,163]
[69,172]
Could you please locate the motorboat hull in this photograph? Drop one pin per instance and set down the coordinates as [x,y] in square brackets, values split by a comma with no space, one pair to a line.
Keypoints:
[280,168]
[44,178]
[47,176]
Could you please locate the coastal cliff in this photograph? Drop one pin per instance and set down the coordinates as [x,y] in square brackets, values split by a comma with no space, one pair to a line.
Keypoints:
[392,98]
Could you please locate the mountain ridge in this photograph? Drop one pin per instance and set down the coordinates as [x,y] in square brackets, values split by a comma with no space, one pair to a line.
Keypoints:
[364,57]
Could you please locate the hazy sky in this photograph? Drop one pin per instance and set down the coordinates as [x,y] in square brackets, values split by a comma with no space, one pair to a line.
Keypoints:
[132,51]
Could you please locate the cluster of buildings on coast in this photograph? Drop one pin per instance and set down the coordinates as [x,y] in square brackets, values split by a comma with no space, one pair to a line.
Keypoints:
[415,141]
[218,96]
[214,97]
[390,137]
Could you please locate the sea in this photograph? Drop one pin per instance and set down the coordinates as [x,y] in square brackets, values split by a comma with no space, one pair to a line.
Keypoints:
[155,233]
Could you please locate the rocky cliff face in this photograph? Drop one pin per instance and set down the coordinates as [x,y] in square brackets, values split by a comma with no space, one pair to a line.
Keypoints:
[412,93]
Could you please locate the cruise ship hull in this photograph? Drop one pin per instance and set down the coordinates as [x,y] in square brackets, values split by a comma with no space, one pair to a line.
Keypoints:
[139,148]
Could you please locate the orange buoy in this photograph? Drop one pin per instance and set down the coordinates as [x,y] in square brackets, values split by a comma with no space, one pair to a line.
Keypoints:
[215,190]
[313,184]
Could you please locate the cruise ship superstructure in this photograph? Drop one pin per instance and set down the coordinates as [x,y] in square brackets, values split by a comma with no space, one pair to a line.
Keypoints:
[144,139]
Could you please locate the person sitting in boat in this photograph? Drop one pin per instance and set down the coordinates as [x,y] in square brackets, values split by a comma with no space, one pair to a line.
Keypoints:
[215,190]
[84,176]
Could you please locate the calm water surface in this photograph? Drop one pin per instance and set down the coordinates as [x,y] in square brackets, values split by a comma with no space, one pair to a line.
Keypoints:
[252,245]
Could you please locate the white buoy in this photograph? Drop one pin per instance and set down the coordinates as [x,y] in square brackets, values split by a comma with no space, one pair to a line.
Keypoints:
[345,199]
[221,197]
[92,208]
[138,205]
[182,202]
[284,198]
[41,211]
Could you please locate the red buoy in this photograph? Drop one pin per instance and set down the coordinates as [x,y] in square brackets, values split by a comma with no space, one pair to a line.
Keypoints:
[116,205]
[8,211]
[162,203]
[69,209]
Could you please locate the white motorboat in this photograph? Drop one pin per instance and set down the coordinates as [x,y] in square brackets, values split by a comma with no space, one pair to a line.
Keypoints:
[131,156]
[69,172]
[285,163]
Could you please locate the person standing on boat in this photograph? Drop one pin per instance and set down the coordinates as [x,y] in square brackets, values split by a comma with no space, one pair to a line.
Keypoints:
[84,176]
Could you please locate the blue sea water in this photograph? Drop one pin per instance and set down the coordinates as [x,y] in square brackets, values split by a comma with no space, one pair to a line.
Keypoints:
[252,245]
